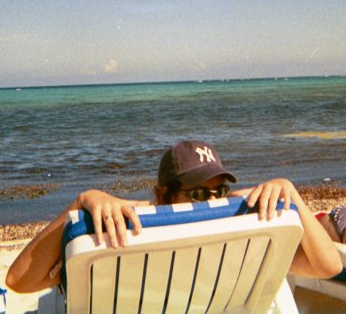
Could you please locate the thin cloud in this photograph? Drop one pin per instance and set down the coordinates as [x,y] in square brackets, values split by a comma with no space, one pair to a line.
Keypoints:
[111,66]
[88,72]
[24,38]
[313,53]
[199,66]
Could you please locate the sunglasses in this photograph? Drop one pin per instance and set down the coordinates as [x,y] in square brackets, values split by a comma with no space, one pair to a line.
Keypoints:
[203,194]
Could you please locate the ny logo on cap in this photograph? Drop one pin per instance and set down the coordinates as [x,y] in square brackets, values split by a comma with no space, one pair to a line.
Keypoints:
[206,152]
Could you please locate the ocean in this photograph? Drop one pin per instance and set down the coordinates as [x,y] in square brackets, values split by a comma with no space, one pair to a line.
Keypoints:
[112,137]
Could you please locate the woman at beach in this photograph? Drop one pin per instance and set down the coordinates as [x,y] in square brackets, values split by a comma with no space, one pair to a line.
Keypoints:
[334,222]
[189,171]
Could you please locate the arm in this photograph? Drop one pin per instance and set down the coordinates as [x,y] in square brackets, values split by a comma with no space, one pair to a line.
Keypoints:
[316,255]
[31,271]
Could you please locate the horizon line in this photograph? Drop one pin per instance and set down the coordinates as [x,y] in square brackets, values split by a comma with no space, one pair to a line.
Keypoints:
[170,82]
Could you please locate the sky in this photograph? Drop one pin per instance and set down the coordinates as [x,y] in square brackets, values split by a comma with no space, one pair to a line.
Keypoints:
[60,42]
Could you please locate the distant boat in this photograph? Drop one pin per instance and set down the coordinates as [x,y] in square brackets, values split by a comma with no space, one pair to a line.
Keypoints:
[18,89]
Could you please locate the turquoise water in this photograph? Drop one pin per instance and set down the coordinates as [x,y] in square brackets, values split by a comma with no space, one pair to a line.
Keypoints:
[90,135]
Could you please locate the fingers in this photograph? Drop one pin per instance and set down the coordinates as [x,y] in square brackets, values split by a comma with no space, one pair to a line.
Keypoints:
[105,214]
[133,203]
[241,192]
[254,195]
[109,224]
[115,223]
[287,199]
[267,195]
[129,212]
[273,201]
[120,226]
[112,212]
[264,198]
[114,220]
[97,221]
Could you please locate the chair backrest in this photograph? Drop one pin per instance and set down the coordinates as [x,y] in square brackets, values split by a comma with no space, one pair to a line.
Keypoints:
[232,264]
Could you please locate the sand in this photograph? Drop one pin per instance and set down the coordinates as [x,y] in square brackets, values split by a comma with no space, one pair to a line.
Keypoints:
[13,239]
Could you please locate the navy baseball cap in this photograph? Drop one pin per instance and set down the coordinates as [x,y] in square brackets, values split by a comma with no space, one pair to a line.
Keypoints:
[191,162]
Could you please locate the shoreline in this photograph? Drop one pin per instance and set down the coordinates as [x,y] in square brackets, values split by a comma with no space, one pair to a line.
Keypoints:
[322,197]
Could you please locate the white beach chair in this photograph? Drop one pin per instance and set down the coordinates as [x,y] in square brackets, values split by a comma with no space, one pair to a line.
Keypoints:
[224,265]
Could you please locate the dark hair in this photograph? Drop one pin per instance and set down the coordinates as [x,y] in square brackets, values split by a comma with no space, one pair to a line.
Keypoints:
[165,194]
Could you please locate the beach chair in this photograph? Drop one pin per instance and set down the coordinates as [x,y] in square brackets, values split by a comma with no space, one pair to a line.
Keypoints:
[189,258]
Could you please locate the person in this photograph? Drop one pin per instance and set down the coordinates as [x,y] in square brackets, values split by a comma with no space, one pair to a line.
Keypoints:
[334,222]
[189,171]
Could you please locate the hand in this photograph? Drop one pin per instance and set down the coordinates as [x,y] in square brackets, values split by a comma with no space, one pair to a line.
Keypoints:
[112,211]
[268,194]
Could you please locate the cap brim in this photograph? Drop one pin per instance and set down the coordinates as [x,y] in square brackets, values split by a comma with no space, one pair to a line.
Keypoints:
[199,175]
